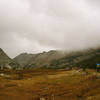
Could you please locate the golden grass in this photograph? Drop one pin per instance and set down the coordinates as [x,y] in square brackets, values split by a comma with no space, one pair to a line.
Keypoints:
[57,85]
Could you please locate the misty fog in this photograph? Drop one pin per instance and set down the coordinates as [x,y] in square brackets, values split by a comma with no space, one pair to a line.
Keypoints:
[41,25]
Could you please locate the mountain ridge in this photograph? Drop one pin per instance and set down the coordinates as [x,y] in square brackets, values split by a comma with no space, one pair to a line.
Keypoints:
[56,59]
[51,59]
[35,59]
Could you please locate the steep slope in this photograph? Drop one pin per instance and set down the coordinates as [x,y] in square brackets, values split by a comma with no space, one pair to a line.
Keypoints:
[87,58]
[6,62]
[4,59]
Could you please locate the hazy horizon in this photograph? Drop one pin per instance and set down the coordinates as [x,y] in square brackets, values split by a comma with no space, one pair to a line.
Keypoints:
[41,25]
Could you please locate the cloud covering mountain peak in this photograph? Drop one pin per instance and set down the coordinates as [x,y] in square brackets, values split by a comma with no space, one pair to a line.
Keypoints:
[39,25]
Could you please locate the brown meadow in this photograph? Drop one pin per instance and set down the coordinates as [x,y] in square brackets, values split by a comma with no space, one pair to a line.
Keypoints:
[50,85]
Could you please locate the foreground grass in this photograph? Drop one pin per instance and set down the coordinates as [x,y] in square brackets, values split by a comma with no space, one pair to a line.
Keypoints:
[51,85]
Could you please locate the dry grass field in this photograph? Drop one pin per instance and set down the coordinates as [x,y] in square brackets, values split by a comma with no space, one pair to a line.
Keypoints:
[49,85]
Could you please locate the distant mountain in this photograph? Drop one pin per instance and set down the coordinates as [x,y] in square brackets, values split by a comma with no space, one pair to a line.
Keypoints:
[59,59]
[6,62]
[24,58]
[38,60]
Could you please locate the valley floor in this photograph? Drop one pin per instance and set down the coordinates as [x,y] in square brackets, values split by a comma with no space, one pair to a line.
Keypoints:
[49,85]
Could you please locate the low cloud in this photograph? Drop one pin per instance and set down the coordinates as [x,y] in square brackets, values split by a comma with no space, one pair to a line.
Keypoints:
[41,25]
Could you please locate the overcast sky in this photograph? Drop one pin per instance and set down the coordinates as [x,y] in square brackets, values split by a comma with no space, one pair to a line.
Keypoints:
[41,25]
